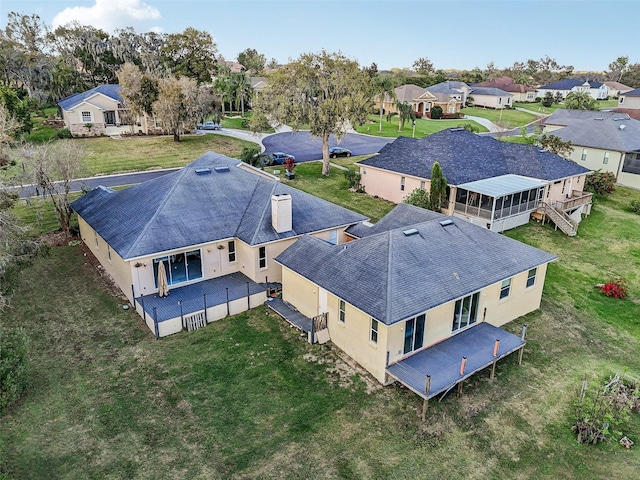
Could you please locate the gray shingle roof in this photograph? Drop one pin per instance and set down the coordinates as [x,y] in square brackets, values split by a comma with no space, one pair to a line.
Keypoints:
[110,90]
[597,129]
[449,87]
[490,91]
[566,84]
[467,157]
[632,93]
[391,276]
[183,208]
[402,215]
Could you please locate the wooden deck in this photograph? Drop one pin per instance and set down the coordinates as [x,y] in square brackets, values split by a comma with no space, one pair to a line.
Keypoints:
[442,361]
[291,315]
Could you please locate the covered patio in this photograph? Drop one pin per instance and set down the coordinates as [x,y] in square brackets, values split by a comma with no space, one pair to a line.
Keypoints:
[499,203]
[193,306]
[441,367]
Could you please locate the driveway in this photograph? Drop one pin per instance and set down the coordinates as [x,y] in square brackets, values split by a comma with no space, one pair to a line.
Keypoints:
[305,147]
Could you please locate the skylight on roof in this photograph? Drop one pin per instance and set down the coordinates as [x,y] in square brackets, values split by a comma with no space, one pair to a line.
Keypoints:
[221,168]
[202,171]
[446,222]
[411,231]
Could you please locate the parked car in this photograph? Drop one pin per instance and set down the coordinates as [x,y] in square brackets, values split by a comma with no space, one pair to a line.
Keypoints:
[208,126]
[278,158]
[335,152]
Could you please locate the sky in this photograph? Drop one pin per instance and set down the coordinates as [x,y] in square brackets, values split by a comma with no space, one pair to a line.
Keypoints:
[453,34]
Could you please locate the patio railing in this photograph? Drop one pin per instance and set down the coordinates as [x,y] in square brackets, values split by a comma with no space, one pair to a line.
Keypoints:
[574,201]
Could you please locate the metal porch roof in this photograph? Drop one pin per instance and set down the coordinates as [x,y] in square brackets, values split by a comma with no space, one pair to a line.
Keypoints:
[503,185]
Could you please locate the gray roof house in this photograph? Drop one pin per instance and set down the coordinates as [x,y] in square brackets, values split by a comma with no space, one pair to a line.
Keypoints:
[486,177]
[214,221]
[491,97]
[382,285]
[607,141]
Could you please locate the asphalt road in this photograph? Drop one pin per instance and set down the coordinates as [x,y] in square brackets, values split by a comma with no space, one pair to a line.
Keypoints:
[305,147]
[122,179]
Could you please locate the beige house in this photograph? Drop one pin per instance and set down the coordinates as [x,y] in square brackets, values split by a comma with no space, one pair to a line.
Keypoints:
[606,141]
[630,99]
[494,184]
[422,100]
[490,97]
[402,295]
[519,92]
[100,111]
[214,227]
[617,88]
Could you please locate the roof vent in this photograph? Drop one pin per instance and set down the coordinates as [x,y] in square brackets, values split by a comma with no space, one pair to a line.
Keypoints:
[411,231]
[221,168]
[541,150]
[599,118]
[622,127]
[202,171]
[457,129]
[446,222]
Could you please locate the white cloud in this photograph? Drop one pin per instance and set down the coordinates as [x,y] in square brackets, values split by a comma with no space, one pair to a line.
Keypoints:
[109,14]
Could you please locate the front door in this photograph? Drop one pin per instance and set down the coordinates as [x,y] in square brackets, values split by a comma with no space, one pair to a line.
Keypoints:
[110,117]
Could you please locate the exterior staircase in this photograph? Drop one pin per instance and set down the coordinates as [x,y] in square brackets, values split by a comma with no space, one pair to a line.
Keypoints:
[561,220]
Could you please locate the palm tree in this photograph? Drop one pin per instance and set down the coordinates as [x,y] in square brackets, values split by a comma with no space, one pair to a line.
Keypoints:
[405,112]
[580,101]
[241,88]
[384,89]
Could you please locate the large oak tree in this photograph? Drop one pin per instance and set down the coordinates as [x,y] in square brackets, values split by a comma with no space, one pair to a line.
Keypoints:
[326,91]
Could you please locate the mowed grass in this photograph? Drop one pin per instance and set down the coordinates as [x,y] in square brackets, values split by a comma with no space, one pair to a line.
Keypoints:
[334,187]
[515,118]
[424,127]
[105,155]
[246,397]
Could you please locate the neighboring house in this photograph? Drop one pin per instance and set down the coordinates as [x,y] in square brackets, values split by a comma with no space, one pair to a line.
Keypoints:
[490,97]
[414,294]
[406,93]
[599,91]
[494,184]
[617,88]
[100,111]
[630,99]
[422,100]
[607,141]
[519,92]
[215,226]
[458,91]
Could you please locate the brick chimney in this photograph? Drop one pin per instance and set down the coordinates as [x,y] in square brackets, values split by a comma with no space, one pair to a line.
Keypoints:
[281,217]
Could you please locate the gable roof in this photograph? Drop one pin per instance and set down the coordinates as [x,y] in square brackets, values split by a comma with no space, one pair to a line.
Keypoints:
[110,90]
[618,86]
[449,87]
[185,208]
[569,83]
[467,157]
[392,276]
[507,84]
[408,92]
[490,91]
[632,93]
[402,215]
[597,129]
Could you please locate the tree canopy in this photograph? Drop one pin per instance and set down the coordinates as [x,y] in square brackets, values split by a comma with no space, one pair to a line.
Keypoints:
[326,91]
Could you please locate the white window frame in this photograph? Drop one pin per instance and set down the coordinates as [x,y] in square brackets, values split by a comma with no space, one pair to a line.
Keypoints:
[416,342]
[583,157]
[109,252]
[531,277]
[233,255]
[373,334]
[84,120]
[459,311]
[402,180]
[505,289]
[605,159]
[333,236]
[95,236]
[262,258]
[342,311]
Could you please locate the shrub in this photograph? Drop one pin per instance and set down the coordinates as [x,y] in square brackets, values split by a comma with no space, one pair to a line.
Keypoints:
[436,113]
[419,198]
[353,179]
[14,366]
[615,289]
[469,128]
[635,206]
[601,183]
[547,100]
[64,133]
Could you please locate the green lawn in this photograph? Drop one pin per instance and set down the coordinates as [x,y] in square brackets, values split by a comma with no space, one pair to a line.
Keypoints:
[514,118]
[424,127]
[42,133]
[246,397]
[105,155]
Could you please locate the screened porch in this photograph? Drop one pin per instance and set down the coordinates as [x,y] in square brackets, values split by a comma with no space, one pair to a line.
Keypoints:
[498,198]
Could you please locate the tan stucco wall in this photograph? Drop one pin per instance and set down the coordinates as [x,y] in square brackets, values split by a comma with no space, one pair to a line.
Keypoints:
[629,179]
[558,191]
[387,184]
[595,157]
[629,102]
[491,101]
[116,267]
[353,336]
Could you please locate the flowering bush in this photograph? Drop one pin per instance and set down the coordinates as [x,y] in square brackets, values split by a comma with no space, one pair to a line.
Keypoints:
[615,289]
